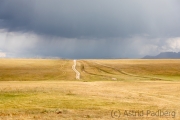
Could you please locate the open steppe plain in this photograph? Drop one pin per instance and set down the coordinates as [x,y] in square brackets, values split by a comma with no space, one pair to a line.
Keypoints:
[124,89]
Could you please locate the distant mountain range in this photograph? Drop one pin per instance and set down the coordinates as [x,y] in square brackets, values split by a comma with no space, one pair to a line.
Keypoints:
[164,55]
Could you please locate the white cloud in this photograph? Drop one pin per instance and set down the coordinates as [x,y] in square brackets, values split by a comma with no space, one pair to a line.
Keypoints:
[14,42]
[173,44]
[144,45]
[2,54]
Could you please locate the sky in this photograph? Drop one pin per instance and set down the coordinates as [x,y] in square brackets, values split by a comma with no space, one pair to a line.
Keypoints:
[79,29]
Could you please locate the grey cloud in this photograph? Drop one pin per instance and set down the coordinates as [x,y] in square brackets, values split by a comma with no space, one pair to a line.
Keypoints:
[15,44]
[88,29]
[92,18]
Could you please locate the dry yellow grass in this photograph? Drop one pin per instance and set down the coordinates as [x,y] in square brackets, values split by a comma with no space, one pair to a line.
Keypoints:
[126,69]
[123,70]
[86,100]
[47,89]
[35,69]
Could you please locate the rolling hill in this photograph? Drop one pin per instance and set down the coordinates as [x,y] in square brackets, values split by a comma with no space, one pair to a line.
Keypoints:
[164,55]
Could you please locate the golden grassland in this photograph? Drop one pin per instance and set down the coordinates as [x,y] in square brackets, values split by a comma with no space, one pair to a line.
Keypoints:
[85,100]
[163,69]
[35,69]
[47,89]
[130,70]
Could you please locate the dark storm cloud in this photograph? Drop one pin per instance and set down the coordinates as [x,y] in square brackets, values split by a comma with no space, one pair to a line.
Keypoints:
[92,18]
[88,28]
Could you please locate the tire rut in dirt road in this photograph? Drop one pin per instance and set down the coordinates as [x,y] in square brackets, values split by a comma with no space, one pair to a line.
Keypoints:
[85,63]
[125,73]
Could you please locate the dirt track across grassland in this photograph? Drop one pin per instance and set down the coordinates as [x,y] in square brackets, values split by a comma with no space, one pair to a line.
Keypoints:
[74,68]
